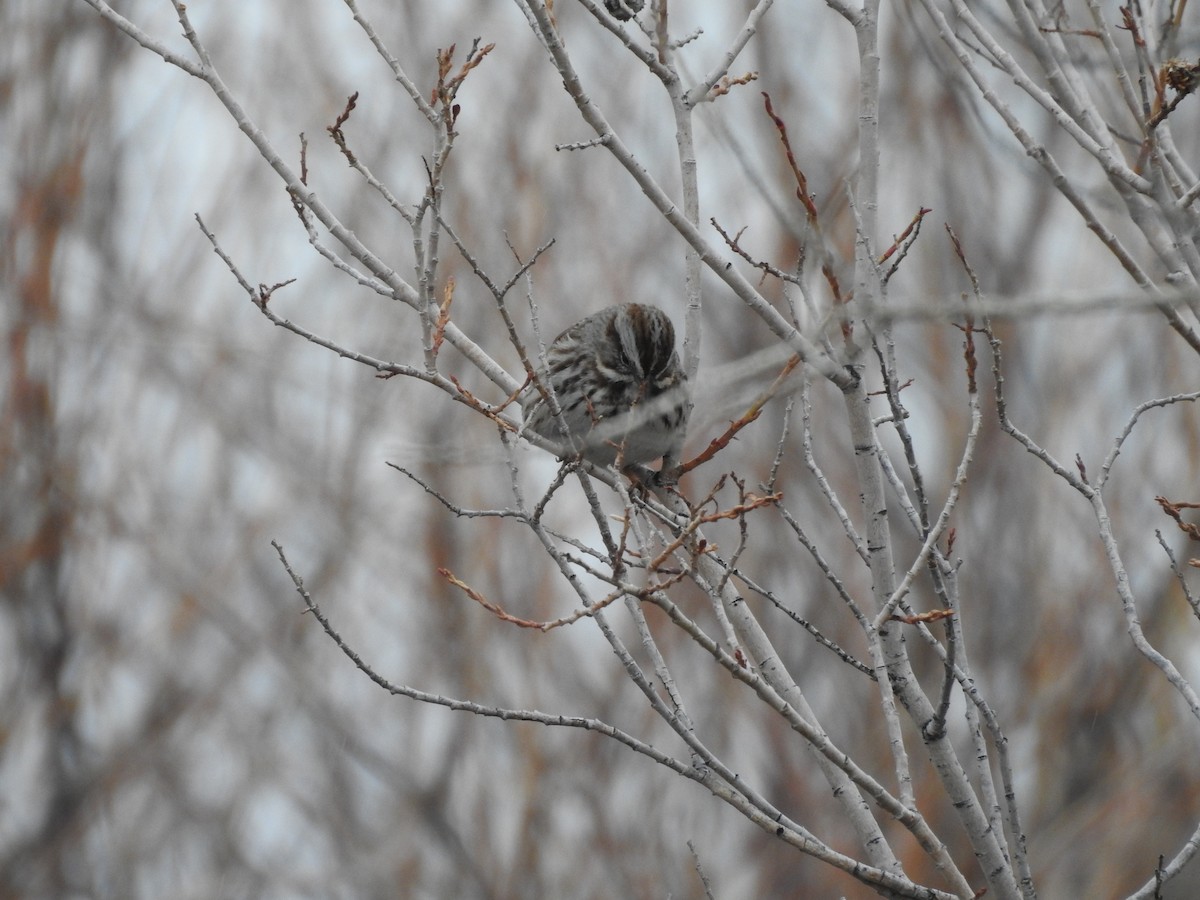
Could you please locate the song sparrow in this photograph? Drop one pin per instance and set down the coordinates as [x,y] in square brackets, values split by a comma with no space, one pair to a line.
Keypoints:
[619,386]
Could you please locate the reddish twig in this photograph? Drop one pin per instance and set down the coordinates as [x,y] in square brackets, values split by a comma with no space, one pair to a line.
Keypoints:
[443,317]
[548,625]
[810,209]
[801,181]
[1129,23]
[503,616]
[447,85]
[1172,508]
[716,445]
[297,204]
[750,502]
[335,130]
[934,615]
[492,412]
[727,83]
[903,243]
[969,331]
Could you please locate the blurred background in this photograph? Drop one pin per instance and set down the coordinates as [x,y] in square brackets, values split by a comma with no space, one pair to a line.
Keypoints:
[171,725]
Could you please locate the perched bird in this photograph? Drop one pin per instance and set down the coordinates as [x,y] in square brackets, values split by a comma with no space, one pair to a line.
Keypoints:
[619,387]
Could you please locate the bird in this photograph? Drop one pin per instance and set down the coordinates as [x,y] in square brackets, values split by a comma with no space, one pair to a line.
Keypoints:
[620,390]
